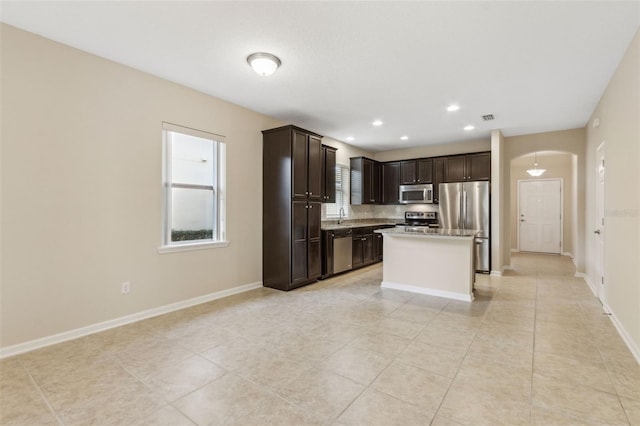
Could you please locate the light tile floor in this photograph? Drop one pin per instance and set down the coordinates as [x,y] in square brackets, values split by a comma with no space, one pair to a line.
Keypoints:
[533,348]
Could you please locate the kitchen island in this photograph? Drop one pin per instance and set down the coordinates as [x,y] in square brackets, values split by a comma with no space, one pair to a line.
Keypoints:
[438,262]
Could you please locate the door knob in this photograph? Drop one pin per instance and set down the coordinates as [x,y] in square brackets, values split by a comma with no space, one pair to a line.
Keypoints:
[597,231]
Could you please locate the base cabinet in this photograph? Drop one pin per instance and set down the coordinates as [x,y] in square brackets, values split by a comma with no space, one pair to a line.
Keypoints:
[363,246]
[366,247]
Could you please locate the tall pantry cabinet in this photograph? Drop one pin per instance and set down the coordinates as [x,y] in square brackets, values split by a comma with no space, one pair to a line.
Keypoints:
[291,207]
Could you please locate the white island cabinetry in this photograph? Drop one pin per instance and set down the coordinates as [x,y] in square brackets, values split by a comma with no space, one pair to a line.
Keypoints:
[438,262]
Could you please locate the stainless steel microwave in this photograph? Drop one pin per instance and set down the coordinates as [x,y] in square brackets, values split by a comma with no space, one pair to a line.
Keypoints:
[416,194]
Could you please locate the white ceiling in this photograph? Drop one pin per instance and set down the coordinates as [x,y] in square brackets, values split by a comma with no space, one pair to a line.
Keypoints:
[537,66]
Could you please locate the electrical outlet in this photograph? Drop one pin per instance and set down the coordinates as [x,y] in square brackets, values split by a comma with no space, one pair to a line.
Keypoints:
[125,288]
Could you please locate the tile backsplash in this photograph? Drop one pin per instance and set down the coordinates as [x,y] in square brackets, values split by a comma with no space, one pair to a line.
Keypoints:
[382,212]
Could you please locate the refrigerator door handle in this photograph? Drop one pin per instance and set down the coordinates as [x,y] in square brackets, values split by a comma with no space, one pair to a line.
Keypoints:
[464,209]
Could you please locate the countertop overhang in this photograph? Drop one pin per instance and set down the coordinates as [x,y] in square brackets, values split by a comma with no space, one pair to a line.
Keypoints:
[423,231]
[359,224]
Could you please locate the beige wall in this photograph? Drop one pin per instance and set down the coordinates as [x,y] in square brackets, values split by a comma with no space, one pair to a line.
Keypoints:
[435,150]
[346,151]
[557,165]
[618,112]
[568,141]
[81,190]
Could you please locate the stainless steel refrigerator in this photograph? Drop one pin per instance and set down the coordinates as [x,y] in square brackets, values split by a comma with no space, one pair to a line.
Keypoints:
[466,206]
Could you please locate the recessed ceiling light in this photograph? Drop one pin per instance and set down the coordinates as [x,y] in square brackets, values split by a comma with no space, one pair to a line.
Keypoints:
[469,127]
[350,138]
[377,123]
[263,63]
[452,108]
[404,138]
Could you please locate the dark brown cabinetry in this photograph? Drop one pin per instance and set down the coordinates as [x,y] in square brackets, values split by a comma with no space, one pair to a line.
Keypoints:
[377,247]
[438,178]
[469,167]
[328,174]
[390,182]
[291,244]
[306,260]
[366,247]
[363,246]
[479,166]
[416,171]
[306,165]
[378,183]
[365,181]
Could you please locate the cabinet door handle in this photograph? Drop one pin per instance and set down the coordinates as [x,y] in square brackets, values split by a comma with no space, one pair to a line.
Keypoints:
[306,207]
[310,207]
[311,193]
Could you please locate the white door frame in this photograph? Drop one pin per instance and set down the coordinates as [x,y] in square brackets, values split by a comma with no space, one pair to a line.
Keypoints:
[561,180]
[599,225]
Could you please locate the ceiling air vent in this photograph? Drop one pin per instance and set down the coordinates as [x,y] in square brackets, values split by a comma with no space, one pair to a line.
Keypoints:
[488,117]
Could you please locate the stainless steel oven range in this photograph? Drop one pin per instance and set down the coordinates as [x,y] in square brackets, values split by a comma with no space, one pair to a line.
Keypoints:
[429,219]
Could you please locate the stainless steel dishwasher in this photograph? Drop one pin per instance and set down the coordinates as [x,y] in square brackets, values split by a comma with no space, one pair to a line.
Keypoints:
[342,250]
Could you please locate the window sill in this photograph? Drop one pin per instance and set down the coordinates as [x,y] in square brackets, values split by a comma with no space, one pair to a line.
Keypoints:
[192,246]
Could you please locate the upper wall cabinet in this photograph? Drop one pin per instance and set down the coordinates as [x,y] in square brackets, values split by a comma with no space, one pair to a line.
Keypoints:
[328,174]
[468,167]
[438,177]
[307,166]
[391,182]
[416,171]
[365,181]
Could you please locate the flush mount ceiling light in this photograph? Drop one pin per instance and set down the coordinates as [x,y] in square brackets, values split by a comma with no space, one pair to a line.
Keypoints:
[404,138]
[263,63]
[452,108]
[469,127]
[377,123]
[350,138]
[535,172]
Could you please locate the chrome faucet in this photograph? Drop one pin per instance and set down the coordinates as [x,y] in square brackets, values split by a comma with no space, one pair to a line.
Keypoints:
[341,215]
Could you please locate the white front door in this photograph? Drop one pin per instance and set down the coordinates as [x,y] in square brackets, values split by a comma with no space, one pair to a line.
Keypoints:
[540,215]
[599,225]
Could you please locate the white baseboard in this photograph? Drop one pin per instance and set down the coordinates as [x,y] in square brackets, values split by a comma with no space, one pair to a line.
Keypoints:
[623,333]
[586,279]
[428,291]
[117,322]
[495,273]
[567,253]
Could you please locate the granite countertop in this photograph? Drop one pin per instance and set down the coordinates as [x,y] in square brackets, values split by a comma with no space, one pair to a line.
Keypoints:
[358,223]
[423,231]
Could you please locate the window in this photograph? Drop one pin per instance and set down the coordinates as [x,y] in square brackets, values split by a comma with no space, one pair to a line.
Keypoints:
[193,185]
[342,192]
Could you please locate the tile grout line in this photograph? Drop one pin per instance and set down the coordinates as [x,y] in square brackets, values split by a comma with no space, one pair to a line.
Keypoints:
[41,393]
[533,350]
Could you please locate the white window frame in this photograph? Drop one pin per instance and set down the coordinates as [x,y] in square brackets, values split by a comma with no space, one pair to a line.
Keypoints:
[219,238]
[342,172]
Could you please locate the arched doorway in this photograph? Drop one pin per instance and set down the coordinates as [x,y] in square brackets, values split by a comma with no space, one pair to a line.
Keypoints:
[543,208]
